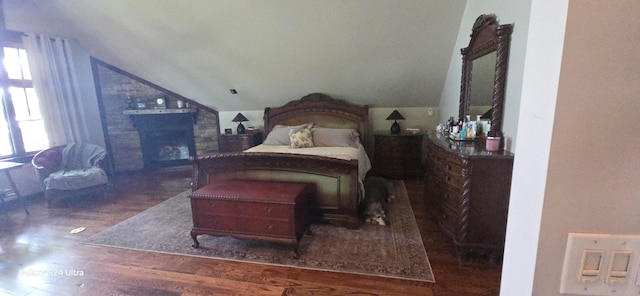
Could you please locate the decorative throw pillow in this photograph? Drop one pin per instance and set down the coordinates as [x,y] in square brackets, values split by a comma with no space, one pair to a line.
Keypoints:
[301,137]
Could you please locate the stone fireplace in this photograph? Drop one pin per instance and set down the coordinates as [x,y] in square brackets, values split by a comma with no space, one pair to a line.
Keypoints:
[166,137]
[148,138]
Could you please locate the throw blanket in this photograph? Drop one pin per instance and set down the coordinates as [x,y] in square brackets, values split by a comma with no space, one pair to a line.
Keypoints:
[81,156]
[78,168]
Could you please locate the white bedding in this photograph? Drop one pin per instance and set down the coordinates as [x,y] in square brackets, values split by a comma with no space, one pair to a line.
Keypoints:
[346,153]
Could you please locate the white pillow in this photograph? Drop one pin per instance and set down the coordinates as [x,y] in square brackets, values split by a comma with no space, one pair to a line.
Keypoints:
[279,135]
[335,137]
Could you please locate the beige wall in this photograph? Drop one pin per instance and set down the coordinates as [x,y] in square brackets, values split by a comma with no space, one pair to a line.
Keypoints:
[593,180]
[415,117]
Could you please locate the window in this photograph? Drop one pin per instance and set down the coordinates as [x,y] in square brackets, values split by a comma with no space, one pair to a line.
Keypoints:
[21,127]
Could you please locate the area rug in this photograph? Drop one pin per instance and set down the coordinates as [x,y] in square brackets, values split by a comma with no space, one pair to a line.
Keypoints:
[394,251]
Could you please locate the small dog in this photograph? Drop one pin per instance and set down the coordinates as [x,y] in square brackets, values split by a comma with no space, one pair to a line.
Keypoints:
[376,196]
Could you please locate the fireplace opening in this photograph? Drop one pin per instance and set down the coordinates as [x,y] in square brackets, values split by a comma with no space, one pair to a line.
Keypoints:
[165,139]
[166,148]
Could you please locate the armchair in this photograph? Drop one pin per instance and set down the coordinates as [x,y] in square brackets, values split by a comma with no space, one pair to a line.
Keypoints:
[72,170]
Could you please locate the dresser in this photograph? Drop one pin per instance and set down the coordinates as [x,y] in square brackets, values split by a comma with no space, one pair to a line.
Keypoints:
[467,190]
[272,211]
[238,142]
[398,156]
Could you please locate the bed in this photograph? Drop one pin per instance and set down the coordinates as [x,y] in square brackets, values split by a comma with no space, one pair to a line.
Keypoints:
[336,178]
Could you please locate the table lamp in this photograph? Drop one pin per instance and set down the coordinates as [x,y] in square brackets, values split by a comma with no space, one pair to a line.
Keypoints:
[395,116]
[239,119]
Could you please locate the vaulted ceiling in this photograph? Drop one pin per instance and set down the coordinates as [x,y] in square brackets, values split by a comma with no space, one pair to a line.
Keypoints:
[377,52]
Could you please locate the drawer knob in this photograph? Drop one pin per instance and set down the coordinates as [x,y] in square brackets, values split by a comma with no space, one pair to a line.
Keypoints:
[212,221]
[270,226]
[446,196]
[448,167]
[268,209]
[447,178]
[212,205]
[444,217]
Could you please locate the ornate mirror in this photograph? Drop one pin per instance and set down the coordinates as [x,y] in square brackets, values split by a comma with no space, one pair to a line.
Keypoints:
[484,70]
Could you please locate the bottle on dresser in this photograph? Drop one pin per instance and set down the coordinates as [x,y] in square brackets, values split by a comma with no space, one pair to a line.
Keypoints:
[464,129]
[450,125]
[479,131]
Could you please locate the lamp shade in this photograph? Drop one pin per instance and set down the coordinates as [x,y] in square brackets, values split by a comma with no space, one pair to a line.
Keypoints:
[239,118]
[395,115]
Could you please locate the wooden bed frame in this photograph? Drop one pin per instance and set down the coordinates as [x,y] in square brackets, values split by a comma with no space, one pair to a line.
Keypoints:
[336,180]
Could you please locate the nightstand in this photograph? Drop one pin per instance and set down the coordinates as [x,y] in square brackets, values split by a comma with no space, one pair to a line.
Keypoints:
[238,143]
[398,156]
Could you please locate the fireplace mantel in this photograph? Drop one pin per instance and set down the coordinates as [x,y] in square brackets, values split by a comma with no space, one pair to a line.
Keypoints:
[159,116]
[157,111]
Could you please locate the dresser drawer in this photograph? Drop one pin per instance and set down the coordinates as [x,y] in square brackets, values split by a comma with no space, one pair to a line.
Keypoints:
[237,143]
[214,206]
[272,228]
[443,156]
[230,207]
[267,210]
[452,180]
[444,166]
[243,142]
[450,166]
[397,156]
[449,219]
[240,224]
[451,199]
[447,177]
[217,222]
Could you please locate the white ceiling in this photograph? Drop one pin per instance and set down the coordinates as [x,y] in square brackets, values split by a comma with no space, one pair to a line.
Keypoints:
[378,52]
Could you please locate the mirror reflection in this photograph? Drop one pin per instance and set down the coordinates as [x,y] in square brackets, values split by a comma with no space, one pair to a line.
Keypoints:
[481,86]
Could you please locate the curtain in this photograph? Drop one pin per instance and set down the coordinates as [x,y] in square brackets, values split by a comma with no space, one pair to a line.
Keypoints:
[56,85]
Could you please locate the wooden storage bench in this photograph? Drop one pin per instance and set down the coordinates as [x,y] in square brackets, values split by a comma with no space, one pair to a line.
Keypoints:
[273,211]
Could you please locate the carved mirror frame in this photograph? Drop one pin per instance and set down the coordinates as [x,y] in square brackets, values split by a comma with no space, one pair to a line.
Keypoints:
[487,36]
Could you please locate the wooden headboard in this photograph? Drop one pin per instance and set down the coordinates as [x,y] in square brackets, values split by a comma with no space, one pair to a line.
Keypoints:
[322,110]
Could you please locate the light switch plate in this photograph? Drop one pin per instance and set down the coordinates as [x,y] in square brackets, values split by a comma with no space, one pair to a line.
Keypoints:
[619,267]
[591,266]
[572,273]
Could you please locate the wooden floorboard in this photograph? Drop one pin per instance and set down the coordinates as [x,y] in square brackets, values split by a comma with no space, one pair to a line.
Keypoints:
[38,255]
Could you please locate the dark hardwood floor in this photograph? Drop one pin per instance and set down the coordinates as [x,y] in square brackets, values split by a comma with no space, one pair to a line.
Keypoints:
[39,255]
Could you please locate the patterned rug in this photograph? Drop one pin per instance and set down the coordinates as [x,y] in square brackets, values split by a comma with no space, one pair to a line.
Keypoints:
[394,251]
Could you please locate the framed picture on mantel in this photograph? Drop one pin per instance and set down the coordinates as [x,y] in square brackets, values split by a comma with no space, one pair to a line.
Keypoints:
[161,103]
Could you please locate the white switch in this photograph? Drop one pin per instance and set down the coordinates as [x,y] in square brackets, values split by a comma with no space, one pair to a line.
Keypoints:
[430,111]
[638,277]
[591,265]
[619,266]
[601,264]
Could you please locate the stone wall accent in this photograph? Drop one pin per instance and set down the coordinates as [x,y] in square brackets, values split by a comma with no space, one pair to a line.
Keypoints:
[117,90]
[206,133]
